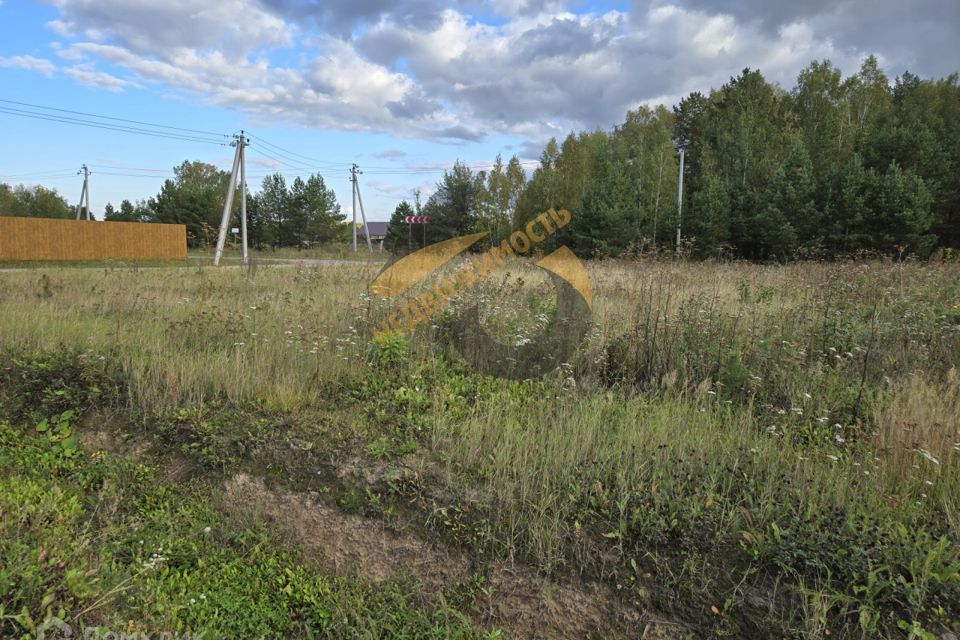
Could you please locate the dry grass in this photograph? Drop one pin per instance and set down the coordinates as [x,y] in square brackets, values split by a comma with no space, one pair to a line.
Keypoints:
[723,427]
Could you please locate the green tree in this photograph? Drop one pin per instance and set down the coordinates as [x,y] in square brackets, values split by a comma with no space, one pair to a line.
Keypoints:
[126,213]
[272,210]
[195,198]
[35,201]
[709,223]
[454,206]
[314,214]
[399,237]
[603,226]
[791,216]
[9,204]
[817,104]
[745,141]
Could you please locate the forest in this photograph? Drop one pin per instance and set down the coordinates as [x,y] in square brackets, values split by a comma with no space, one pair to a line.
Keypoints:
[836,166]
[833,167]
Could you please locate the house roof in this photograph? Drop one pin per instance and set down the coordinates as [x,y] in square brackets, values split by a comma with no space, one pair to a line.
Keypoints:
[377,228]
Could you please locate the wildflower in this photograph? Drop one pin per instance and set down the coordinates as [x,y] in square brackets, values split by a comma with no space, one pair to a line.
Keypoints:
[929,456]
[834,458]
[928,483]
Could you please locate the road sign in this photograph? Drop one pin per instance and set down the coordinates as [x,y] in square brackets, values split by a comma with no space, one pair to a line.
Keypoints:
[416,219]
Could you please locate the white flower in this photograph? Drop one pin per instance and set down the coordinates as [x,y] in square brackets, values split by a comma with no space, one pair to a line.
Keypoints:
[834,458]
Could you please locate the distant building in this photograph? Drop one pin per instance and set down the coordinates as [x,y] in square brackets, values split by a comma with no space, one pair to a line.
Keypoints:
[378,231]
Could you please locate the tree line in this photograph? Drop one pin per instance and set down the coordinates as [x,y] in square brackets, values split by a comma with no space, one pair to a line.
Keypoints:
[302,213]
[832,167]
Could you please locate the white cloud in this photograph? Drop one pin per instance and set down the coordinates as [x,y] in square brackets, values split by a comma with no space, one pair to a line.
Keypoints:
[162,28]
[98,79]
[390,154]
[390,188]
[29,63]
[419,71]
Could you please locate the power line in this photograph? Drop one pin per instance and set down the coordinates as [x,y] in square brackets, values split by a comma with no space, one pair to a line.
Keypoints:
[94,115]
[38,174]
[298,167]
[297,159]
[110,127]
[117,166]
[293,155]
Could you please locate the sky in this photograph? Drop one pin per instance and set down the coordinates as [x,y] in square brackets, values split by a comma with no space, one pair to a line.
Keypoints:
[401,89]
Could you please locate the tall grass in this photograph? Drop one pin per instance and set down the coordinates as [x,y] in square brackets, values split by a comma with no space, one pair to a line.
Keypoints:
[725,428]
[186,335]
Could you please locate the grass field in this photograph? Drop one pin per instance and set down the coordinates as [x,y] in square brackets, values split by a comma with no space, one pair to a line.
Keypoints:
[736,451]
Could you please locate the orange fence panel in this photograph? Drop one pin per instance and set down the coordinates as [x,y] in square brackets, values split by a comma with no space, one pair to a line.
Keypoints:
[56,239]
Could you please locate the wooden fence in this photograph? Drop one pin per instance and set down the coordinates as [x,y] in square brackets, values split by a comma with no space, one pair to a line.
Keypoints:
[55,239]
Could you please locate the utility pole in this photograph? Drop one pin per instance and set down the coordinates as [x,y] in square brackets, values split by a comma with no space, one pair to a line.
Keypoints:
[353,191]
[238,160]
[85,193]
[354,171]
[243,200]
[679,200]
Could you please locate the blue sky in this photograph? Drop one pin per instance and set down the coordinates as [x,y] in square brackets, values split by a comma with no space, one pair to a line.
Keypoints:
[403,90]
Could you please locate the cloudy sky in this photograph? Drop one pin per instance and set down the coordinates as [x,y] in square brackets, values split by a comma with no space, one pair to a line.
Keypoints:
[402,89]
